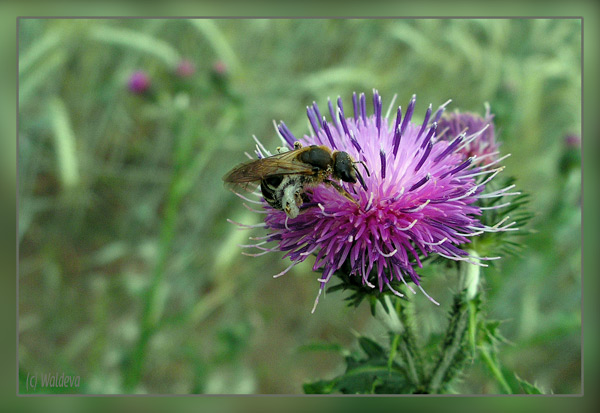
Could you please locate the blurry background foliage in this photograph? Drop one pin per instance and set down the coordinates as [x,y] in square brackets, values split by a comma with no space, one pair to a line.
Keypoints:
[130,275]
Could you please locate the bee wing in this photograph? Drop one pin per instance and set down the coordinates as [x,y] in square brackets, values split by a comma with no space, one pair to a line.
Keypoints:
[279,164]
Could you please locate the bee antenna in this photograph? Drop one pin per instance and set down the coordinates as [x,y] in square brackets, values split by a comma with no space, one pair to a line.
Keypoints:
[358,174]
[364,165]
[362,181]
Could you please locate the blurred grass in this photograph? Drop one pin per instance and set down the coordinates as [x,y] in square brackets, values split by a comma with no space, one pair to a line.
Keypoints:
[123,214]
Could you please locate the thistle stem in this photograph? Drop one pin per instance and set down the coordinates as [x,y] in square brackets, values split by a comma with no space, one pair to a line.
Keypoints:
[452,353]
[494,368]
[409,345]
[404,343]
[469,280]
[152,309]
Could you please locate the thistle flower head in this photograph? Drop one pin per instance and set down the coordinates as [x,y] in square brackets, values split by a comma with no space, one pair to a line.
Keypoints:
[220,68]
[185,68]
[573,141]
[138,82]
[418,199]
[484,148]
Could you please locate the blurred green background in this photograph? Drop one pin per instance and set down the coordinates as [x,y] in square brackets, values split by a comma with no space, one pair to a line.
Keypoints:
[129,274]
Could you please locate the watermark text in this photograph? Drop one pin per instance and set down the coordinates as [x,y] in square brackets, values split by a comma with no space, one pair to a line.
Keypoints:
[51,380]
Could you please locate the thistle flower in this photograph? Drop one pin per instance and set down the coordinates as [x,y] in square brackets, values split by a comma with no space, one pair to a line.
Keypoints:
[219,75]
[419,198]
[573,141]
[220,68]
[185,68]
[138,82]
[484,147]
[571,156]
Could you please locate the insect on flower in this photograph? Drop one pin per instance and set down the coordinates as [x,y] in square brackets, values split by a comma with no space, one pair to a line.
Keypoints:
[285,176]
[420,196]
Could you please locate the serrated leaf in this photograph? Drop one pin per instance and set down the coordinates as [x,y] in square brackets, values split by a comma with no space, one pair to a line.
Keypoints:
[319,387]
[491,332]
[373,306]
[371,348]
[527,387]
[335,288]
[372,374]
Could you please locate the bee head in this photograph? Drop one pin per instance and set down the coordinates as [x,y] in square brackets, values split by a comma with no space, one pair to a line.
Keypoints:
[343,167]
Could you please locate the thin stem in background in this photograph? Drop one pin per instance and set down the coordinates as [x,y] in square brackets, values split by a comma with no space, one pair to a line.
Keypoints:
[151,313]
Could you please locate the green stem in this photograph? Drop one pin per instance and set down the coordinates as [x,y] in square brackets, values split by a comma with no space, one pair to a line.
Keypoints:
[409,345]
[152,308]
[411,365]
[473,327]
[492,365]
[404,343]
[393,350]
[469,276]
[452,353]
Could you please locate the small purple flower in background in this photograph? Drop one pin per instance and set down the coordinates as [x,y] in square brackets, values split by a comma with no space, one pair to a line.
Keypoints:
[185,68]
[573,141]
[138,82]
[419,198]
[571,157]
[484,148]
[220,68]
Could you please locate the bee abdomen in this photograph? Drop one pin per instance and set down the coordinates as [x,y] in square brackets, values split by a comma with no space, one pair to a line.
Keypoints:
[269,188]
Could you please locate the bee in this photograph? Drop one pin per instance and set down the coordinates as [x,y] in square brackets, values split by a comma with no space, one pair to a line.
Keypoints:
[285,176]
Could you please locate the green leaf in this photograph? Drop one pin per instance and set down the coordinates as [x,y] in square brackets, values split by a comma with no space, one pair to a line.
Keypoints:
[527,387]
[65,143]
[334,77]
[34,54]
[319,387]
[217,40]
[136,40]
[320,346]
[490,330]
[370,347]
[370,375]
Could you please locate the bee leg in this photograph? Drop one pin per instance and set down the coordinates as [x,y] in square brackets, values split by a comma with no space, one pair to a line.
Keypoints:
[289,200]
[283,149]
[340,190]
[299,197]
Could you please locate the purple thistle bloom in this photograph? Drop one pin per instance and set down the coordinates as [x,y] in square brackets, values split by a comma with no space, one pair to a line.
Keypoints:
[220,68]
[573,141]
[138,82]
[484,147]
[185,68]
[419,198]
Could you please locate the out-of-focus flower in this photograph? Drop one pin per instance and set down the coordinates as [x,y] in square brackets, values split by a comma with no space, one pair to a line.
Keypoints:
[186,68]
[485,147]
[220,68]
[138,82]
[219,76]
[573,141]
[571,157]
[420,198]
